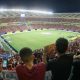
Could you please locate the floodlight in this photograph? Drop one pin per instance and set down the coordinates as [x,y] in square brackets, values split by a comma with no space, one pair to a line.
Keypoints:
[2,10]
[22,15]
[42,12]
[18,10]
[24,10]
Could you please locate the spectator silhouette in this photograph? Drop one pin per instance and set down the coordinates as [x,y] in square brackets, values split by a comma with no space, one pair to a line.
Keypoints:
[29,71]
[61,66]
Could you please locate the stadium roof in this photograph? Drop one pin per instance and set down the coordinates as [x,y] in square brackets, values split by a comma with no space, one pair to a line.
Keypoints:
[12,13]
[4,13]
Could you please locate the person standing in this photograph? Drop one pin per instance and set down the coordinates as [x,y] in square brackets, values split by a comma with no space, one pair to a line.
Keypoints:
[61,66]
[29,71]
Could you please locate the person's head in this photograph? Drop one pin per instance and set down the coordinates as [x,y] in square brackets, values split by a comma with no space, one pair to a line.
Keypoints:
[26,55]
[61,45]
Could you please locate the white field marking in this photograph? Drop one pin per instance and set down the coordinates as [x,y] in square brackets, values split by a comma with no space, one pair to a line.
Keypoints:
[10,41]
[46,33]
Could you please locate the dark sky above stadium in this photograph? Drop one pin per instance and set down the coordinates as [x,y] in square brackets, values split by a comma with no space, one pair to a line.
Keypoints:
[51,5]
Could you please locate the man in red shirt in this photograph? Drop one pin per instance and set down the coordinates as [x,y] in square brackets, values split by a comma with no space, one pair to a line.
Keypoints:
[29,71]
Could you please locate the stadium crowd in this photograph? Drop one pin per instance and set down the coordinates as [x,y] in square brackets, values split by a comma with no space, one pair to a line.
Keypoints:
[61,26]
[12,25]
[61,58]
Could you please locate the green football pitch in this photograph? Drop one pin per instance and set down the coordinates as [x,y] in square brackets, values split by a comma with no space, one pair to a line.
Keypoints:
[36,39]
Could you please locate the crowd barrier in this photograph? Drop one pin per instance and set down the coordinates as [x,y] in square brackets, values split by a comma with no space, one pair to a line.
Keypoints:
[8,75]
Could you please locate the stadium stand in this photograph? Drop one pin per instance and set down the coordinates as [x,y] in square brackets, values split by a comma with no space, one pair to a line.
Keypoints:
[57,23]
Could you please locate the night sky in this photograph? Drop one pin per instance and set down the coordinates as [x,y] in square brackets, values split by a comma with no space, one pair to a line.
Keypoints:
[50,5]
